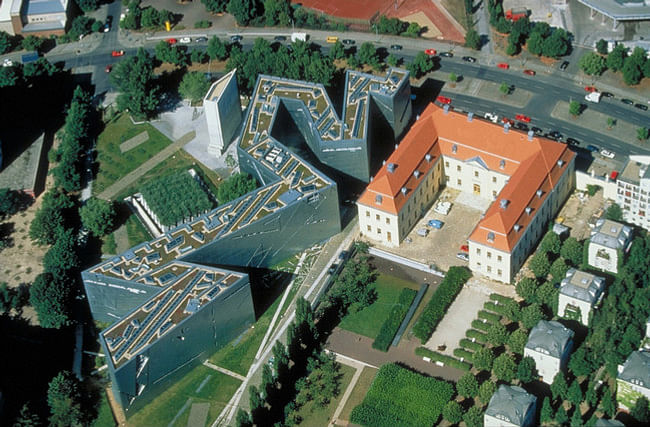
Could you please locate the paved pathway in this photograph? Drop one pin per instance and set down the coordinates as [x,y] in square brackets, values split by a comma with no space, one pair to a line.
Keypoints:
[133,176]
[224,371]
[356,364]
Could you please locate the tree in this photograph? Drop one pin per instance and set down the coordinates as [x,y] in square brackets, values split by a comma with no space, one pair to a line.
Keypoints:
[12,298]
[546,414]
[632,73]
[194,86]
[531,315]
[27,418]
[473,417]
[236,186]
[592,64]
[561,416]
[512,49]
[392,60]
[217,49]
[526,288]
[643,133]
[557,44]
[540,265]
[368,54]
[215,5]
[640,411]
[467,386]
[601,47]
[87,5]
[337,51]
[580,364]
[421,65]
[504,368]
[413,30]
[243,418]
[5,42]
[98,216]
[575,108]
[51,218]
[353,289]
[452,412]
[486,390]
[614,212]
[558,270]
[535,43]
[611,122]
[63,398]
[51,298]
[472,39]
[497,334]
[511,310]
[9,202]
[517,341]
[8,76]
[526,371]
[576,418]
[608,403]
[616,57]
[547,294]
[62,256]
[165,52]
[243,10]
[572,251]
[483,359]
[81,25]
[504,88]
[139,90]
[574,394]
[32,43]
[559,387]
[551,243]
[198,56]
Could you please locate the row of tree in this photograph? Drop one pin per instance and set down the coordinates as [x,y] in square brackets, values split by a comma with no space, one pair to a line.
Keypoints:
[633,67]
[148,17]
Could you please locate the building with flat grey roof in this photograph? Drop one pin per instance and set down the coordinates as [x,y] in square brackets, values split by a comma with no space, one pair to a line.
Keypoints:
[34,17]
[608,242]
[619,10]
[633,380]
[549,344]
[510,406]
[633,191]
[579,293]
[25,173]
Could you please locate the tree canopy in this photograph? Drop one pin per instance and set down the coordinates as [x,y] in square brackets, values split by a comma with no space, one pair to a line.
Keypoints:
[63,398]
[194,86]
[236,186]
[98,216]
[138,88]
[51,298]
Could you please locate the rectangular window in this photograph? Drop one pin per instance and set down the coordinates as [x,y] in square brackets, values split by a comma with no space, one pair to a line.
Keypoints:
[387,220]
[458,181]
[494,193]
[476,174]
[499,273]
[458,168]
[377,217]
[378,230]
[489,269]
[368,214]
[446,164]
[489,254]
[369,228]
[499,258]
[478,251]
[494,179]
[388,236]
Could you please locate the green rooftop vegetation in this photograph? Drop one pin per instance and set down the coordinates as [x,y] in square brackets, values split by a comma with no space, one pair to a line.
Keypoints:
[175,198]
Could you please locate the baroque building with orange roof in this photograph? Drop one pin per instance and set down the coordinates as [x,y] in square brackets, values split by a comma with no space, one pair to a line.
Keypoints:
[526,177]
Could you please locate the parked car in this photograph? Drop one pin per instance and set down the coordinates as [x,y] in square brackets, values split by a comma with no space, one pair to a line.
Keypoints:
[343,255]
[507,120]
[572,141]
[491,117]
[443,99]
[236,38]
[503,65]
[464,248]
[591,89]
[530,72]
[430,52]
[627,101]
[522,117]
[348,42]
[108,68]
[564,65]
[554,134]
[462,256]
[607,153]
[333,268]
[117,53]
[469,59]
[607,95]
[641,107]
[396,47]
[201,39]
[592,148]
[447,54]
[185,40]
[435,223]
[521,126]
[280,38]
[172,41]
[7,62]
[537,130]
[423,232]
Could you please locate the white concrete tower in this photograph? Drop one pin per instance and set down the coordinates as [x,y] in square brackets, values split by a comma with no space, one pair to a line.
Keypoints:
[223,113]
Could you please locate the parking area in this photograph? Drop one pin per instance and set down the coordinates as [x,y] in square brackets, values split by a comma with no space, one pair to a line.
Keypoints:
[440,246]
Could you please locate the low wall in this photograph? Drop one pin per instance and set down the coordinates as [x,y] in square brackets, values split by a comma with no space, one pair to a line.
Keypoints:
[584,179]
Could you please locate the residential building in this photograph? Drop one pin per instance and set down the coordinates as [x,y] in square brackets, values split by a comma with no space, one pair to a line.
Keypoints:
[510,406]
[608,243]
[549,344]
[633,380]
[633,191]
[223,113]
[526,177]
[579,293]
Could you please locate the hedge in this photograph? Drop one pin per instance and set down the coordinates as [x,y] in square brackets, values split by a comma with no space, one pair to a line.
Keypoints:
[477,335]
[500,298]
[442,358]
[400,397]
[394,320]
[461,353]
[500,309]
[440,302]
[490,317]
[477,324]
[470,345]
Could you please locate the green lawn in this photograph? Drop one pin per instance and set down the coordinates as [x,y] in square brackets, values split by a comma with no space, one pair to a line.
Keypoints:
[104,414]
[317,416]
[136,231]
[359,391]
[114,164]
[161,411]
[368,321]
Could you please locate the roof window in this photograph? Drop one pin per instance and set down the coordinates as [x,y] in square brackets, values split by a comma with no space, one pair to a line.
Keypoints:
[539,192]
[404,190]
[490,236]
[517,227]
[502,164]
[416,174]
[503,203]
[560,163]
[378,199]
[470,116]
[454,148]
[427,157]
[528,210]
[391,167]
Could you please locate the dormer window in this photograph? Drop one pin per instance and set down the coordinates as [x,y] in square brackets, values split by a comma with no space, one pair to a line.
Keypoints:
[416,174]
[502,164]
[427,157]
[490,236]
[539,193]
[378,199]
[528,210]
[391,167]
[454,148]
[503,203]
[404,190]
[517,227]
[560,163]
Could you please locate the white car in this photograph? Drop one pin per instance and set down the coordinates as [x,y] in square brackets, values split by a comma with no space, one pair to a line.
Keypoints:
[606,153]
[491,117]
[185,40]
[443,208]
[7,62]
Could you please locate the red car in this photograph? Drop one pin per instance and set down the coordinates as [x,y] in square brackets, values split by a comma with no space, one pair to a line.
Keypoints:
[108,68]
[171,41]
[464,248]
[507,120]
[503,65]
[117,53]
[590,89]
[430,52]
[529,72]
[443,99]
[522,118]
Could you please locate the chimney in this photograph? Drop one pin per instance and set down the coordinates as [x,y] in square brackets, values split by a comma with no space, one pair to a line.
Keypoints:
[446,108]
[530,135]
[470,116]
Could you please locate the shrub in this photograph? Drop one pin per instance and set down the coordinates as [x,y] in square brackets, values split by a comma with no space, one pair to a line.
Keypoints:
[592,189]
[477,335]
[463,354]
[440,301]
[442,358]
[390,400]
[501,299]
[469,344]
[202,24]
[394,320]
[490,317]
[483,326]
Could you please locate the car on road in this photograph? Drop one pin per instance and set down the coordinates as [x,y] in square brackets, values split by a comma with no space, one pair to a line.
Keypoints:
[201,39]
[443,99]
[522,117]
[333,268]
[554,135]
[396,47]
[469,59]
[591,89]
[530,72]
[108,68]
[430,52]
[564,65]
[462,256]
[507,120]
[348,41]
[435,223]
[464,248]
[607,95]
[172,41]
[280,38]
[491,117]
[503,65]
[641,107]
[185,40]
[447,54]
[607,153]
[627,101]
[117,53]
[7,62]
[537,130]
[572,141]
[236,38]
[592,148]
[521,126]
[343,255]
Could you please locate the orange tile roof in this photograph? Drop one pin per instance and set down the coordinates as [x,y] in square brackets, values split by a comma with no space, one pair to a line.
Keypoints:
[531,165]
